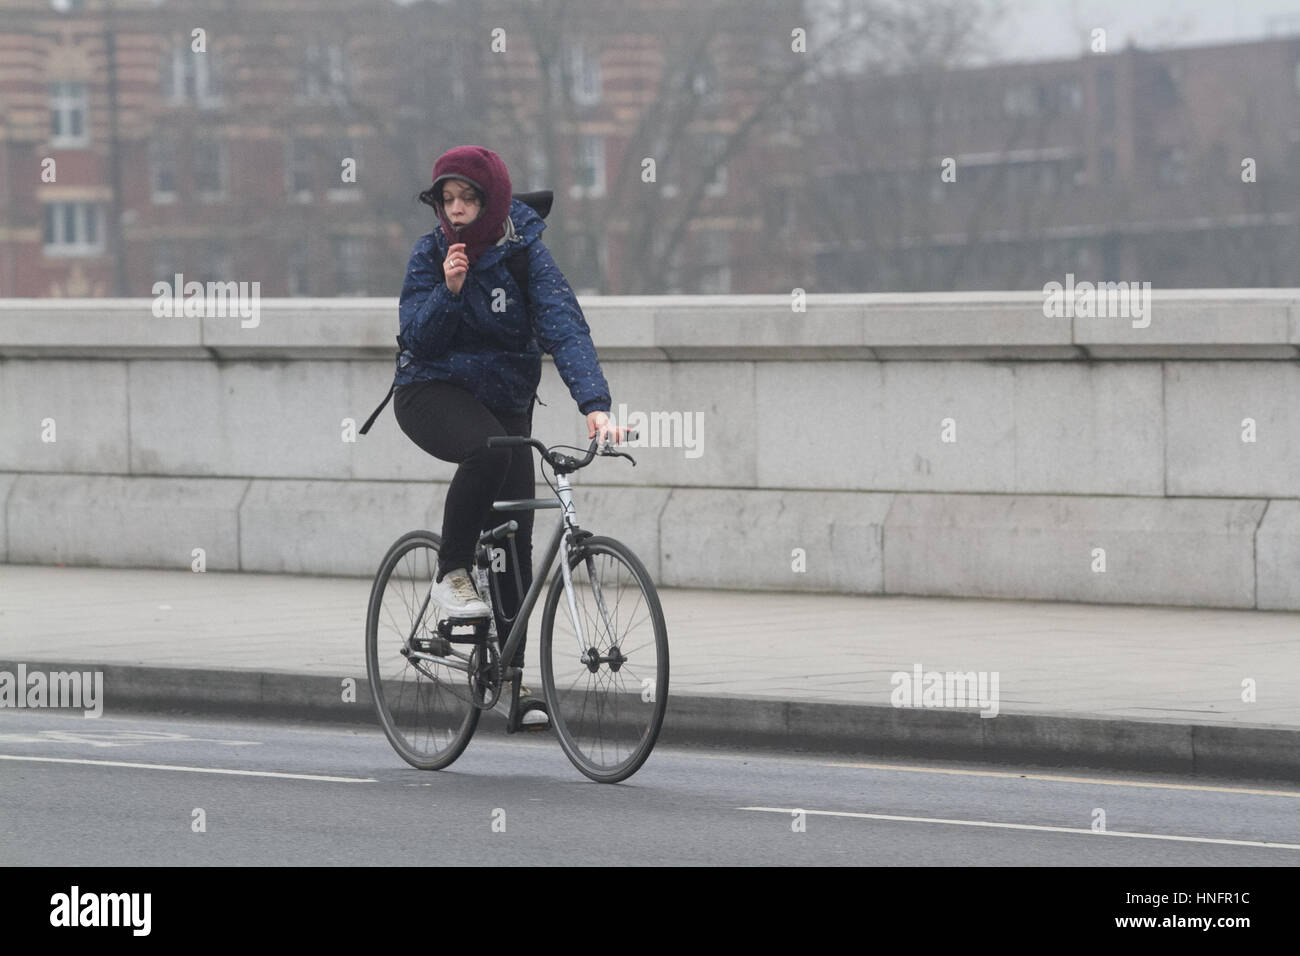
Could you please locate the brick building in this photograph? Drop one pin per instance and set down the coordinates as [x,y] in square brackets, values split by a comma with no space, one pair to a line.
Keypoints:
[141,139]
[283,142]
[1127,165]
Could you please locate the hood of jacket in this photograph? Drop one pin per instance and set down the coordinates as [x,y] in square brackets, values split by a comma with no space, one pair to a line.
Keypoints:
[487,173]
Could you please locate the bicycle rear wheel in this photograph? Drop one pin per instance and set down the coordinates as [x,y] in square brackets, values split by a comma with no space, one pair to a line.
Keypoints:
[608,690]
[423,704]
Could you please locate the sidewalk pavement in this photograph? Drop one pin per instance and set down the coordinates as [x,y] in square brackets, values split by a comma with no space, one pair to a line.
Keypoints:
[1147,688]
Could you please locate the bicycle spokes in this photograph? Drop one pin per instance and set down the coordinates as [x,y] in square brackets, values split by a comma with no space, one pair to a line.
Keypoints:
[609,693]
[417,680]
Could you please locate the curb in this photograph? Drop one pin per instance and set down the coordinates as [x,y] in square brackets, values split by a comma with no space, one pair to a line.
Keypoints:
[846,730]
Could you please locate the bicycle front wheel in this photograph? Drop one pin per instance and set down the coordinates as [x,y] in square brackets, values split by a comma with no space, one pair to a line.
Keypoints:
[606,679]
[418,681]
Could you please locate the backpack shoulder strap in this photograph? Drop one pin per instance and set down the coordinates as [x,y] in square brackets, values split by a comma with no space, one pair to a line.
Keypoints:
[518,266]
[401,346]
[540,201]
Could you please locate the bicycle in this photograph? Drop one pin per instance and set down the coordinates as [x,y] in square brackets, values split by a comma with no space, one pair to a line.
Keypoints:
[431,680]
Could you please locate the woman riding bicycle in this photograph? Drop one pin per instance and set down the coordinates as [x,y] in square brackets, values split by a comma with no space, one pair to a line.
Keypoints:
[471,365]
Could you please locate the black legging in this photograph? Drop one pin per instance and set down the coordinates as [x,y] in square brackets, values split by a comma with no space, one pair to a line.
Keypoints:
[448,422]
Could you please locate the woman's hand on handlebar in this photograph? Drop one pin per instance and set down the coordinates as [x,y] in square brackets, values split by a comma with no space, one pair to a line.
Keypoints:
[604,429]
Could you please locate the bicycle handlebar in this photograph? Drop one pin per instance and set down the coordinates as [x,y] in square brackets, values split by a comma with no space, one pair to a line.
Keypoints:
[561,462]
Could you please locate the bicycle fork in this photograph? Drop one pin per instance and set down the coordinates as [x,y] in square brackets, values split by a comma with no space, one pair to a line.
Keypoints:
[588,656]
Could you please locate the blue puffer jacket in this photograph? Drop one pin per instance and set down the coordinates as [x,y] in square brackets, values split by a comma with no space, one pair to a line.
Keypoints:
[496,355]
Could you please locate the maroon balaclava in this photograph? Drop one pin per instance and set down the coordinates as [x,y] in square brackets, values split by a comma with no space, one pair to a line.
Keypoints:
[486,172]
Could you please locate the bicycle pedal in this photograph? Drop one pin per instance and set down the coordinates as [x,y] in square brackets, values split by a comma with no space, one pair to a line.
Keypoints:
[477,635]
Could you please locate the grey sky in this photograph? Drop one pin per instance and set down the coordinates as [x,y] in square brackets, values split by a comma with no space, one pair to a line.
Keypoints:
[1052,29]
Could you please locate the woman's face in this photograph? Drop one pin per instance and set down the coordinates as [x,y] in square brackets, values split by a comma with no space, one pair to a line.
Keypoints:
[461,202]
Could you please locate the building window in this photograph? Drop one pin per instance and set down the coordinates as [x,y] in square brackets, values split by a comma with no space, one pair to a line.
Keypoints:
[1110,259]
[338,150]
[589,262]
[298,169]
[162,169]
[190,77]
[68,109]
[1020,100]
[1069,96]
[665,168]
[297,278]
[217,264]
[1172,167]
[779,211]
[906,107]
[348,265]
[589,171]
[167,260]
[325,73]
[1074,173]
[584,71]
[1050,178]
[73,229]
[703,80]
[1215,162]
[210,169]
[715,265]
[672,277]
[1106,97]
[715,145]
[1163,87]
[1106,166]
[785,126]
[537,167]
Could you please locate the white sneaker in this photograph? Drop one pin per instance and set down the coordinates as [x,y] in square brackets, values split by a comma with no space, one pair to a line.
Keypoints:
[456,596]
[535,719]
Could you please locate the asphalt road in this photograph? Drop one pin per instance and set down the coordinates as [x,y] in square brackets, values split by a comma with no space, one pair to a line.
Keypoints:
[114,792]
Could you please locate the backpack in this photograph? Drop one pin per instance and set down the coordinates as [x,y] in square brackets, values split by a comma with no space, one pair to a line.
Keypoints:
[517,264]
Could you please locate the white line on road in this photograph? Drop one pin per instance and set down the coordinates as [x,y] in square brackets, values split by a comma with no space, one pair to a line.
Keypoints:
[1023,826]
[163,766]
[1055,778]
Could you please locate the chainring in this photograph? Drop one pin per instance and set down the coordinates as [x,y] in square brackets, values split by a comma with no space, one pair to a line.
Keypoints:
[485,676]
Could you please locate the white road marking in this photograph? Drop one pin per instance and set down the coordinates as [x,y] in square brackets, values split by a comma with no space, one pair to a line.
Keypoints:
[1023,826]
[163,766]
[857,765]
[1101,781]
[117,738]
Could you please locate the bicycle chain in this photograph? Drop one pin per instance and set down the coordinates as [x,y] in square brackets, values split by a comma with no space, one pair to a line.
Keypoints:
[485,695]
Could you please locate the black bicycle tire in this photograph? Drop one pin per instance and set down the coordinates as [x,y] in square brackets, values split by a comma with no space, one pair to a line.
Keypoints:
[447,755]
[571,750]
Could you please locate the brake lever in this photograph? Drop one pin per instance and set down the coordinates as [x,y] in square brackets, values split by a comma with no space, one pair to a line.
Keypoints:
[608,449]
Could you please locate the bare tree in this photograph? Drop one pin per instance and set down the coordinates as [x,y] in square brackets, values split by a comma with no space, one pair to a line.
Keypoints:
[899,116]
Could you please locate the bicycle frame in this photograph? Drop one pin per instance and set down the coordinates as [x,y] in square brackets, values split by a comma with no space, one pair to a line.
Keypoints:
[565,531]
[563,534]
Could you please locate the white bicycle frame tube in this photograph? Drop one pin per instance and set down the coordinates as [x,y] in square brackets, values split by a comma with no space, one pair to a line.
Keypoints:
[569,516]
